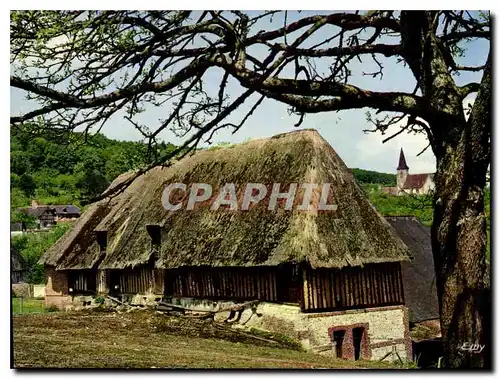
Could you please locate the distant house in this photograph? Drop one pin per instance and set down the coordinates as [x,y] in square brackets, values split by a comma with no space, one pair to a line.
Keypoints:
[19,267]
[48,215]
[419,184]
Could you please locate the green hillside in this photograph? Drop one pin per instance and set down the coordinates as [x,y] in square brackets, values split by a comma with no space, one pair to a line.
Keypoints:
[67,169]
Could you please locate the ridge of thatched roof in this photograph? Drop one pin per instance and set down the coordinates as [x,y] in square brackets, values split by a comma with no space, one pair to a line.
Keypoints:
[353,235]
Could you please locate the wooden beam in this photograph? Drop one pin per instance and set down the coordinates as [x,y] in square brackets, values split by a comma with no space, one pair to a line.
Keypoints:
[305,286]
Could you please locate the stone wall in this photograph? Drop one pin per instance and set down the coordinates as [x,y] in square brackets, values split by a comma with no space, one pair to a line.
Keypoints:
[22,290]
[39,290]
[56,288]
[28,290]
[385,326]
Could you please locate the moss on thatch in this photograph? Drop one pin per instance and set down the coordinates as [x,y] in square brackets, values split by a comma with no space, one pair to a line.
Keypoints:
[77,249]
[353,235]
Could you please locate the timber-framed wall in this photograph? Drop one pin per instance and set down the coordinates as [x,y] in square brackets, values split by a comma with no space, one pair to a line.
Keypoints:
[314,290]
[353,287]
[274,284]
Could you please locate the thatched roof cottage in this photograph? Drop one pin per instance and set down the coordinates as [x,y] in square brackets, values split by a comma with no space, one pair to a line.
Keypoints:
[331,278]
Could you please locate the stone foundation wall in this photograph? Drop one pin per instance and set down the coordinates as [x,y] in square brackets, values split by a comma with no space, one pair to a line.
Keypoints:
[140,298]
[385,327]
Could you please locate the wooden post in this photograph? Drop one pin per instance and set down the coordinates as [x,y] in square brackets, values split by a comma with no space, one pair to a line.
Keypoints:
[306,285]
[102,282]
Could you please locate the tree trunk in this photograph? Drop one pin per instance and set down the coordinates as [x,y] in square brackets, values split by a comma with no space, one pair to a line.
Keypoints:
[459,236]
[459,244]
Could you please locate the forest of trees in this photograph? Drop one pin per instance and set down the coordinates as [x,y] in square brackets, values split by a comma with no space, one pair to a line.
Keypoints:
[374,177]
[69,170]
[63,170]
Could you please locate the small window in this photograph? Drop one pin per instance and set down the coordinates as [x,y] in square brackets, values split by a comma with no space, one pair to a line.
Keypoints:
[155,233]
[102,239]
[338,340]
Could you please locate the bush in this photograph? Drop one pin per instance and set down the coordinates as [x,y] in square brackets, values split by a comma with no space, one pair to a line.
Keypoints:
[99,300]
[31,246]
[52,308]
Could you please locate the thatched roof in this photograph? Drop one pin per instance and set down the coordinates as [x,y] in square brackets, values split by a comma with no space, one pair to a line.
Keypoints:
[353,235]
[419,275]
[17,261]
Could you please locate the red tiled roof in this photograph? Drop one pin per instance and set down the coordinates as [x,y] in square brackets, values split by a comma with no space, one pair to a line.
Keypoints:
[415,181]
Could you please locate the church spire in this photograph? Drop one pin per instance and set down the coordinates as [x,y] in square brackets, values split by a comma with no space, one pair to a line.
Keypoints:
[402,161]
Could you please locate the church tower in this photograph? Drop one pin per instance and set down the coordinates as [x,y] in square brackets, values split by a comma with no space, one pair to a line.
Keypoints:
[402,170]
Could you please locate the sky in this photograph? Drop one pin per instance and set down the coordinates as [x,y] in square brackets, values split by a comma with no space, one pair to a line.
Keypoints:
[343,130]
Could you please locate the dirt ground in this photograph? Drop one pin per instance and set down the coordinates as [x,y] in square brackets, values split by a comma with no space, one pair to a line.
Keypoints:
[147,340]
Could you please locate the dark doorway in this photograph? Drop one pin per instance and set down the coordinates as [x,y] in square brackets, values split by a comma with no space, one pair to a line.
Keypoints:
[114,282]
[427,352]
[287,282]
[338,339]
[357,339]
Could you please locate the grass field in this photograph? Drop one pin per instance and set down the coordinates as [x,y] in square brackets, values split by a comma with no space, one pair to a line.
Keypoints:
[27,305]
[147,340]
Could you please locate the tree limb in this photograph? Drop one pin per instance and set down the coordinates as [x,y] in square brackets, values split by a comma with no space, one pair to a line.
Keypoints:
[384,49]
[469,88]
